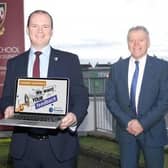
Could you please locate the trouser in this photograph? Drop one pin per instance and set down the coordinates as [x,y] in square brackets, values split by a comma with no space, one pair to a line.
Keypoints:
[130,154]
[39,155]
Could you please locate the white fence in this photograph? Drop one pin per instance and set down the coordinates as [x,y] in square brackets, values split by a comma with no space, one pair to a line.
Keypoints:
[98,118]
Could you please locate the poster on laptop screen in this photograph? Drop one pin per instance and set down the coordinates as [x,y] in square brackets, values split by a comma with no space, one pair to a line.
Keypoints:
[42,96]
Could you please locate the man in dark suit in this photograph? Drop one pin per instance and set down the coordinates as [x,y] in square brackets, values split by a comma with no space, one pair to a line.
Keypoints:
[37,148]
[139,107]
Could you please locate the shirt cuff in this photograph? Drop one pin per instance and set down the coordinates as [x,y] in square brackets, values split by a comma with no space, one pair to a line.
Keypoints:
[73,128]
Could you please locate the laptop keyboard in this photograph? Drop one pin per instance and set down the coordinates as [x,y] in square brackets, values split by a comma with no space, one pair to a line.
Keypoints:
[37,118]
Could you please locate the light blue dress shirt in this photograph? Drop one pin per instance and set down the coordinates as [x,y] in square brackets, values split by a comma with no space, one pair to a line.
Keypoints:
[44,61]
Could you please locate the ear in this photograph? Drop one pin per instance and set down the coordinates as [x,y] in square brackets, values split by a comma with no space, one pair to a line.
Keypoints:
[51,33]
[27,30]
[148,42]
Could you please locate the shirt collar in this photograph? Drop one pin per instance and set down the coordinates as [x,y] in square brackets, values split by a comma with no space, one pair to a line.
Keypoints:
[45,51]
[141,60]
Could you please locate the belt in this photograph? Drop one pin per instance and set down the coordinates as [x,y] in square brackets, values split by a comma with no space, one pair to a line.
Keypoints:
[38,137]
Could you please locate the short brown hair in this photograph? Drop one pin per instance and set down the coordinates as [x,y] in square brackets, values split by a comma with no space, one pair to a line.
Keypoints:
[40,11]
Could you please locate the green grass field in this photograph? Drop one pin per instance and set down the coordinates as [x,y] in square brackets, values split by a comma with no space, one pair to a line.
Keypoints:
[103,147]
[4,153]
[109,147]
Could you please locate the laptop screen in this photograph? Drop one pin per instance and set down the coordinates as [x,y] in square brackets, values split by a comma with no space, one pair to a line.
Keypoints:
[43,96]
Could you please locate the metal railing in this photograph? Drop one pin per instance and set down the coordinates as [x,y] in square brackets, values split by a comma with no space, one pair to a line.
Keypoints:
[95,80]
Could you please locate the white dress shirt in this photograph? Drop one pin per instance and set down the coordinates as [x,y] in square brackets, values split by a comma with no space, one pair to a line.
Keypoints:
[131,69]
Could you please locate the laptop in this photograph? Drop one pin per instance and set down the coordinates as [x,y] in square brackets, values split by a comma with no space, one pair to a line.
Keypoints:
[39,102]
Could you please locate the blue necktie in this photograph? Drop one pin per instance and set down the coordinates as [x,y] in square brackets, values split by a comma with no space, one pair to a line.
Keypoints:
[133,87]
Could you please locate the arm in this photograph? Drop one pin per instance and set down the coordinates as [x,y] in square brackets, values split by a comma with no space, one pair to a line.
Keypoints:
[112,102]
[9,88]
[159,104]
[78,99]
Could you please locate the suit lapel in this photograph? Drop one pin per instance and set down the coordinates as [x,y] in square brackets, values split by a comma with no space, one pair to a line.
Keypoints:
[23,65]
[53,64]
[149,73]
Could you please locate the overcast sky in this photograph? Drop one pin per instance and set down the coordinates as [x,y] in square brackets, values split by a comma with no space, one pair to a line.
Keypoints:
[96,30]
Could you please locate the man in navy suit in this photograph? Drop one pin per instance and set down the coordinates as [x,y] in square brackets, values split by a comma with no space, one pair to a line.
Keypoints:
[44,148]
[141,128]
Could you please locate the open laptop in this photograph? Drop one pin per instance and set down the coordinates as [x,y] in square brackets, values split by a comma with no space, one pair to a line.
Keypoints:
[39,102]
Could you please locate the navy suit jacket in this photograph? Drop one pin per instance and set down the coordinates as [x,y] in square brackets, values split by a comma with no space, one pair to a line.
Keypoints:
[61,64]
[152,105]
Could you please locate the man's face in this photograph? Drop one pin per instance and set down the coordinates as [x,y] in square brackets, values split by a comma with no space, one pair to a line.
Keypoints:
[138,43]
[39,30]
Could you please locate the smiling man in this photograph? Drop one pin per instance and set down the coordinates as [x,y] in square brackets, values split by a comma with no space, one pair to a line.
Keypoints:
[137,96]
[35,147]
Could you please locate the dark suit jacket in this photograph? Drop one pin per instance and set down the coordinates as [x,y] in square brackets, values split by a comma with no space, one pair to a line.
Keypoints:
[152,105]
[61,64]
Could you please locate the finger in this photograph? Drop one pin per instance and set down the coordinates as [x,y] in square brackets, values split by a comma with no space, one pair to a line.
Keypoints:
[68,119]
[9,112]
[63,126]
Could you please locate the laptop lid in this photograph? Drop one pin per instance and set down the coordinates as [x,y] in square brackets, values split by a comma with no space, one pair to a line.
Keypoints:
[45,96]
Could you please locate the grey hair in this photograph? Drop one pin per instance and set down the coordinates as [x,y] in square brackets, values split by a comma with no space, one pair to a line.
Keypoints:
[136,28]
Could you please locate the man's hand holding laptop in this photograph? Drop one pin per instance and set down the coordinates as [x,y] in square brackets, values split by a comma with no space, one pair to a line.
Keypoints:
[68,121]
[9,112]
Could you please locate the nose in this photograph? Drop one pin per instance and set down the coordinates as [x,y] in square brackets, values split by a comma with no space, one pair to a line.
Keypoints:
[136,43]
[40,29]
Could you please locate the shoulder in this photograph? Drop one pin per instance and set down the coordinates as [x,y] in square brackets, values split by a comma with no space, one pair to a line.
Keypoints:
[20,57]
[63,53]
[158,61]
[65,57]
[121,63]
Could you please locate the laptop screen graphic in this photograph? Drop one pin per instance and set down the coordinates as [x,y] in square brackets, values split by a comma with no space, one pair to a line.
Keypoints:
[44,96]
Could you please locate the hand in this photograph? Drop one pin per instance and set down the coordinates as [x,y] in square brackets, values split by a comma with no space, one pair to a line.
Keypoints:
[9,112]
[130,129]
[134,127]
[68,121]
